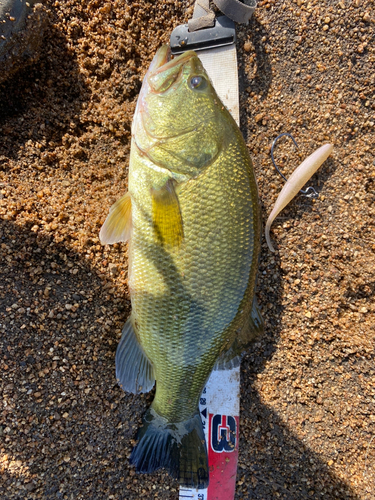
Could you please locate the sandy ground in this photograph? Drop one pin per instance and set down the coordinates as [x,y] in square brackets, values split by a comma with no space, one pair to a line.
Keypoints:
[308,386]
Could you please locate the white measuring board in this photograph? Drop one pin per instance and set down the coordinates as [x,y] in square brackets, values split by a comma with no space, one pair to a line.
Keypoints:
[220,410]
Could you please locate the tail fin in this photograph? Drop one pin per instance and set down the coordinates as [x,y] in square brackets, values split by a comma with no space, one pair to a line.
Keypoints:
[178,447]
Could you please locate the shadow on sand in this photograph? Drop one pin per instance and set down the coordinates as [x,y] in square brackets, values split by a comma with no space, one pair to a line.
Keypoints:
[69,443]
[49,104]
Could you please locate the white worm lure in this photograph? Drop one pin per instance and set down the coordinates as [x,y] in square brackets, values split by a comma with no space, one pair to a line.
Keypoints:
[295,182]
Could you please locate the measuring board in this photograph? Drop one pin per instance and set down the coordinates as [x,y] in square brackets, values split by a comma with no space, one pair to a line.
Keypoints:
[220,409]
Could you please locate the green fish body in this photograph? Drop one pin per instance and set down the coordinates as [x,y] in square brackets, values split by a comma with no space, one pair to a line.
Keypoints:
[192,219]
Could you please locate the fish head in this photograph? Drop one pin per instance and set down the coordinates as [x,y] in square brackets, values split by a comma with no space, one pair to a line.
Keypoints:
[180,122]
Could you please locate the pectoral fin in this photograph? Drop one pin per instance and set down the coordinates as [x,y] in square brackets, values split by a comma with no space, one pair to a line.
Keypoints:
[166,214]
[252,328]
[117,226]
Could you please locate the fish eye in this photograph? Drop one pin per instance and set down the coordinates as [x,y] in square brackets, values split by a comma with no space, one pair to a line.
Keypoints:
[196,81]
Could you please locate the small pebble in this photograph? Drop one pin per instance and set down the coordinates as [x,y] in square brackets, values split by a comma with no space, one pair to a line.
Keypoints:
[247,46]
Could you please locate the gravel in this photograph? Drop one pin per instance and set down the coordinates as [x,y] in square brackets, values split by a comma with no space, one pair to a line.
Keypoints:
[308,386]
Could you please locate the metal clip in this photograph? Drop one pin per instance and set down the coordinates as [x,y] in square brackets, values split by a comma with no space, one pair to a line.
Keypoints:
[223,33]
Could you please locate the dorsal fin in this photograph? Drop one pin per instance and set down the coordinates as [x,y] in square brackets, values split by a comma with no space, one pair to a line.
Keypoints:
[251,329]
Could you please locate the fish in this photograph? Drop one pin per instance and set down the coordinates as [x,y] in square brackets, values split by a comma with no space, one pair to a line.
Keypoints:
[191,217]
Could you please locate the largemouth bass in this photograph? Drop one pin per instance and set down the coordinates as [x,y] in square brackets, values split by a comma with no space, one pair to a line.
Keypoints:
[192,219]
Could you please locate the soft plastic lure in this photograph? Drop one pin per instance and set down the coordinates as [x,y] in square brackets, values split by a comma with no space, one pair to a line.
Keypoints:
[295,182]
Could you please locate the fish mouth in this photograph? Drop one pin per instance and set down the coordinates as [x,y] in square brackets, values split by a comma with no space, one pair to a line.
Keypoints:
[164,60]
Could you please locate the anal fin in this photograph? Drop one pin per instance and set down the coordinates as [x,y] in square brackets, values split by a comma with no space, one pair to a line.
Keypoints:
[134,371]
[251,329]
